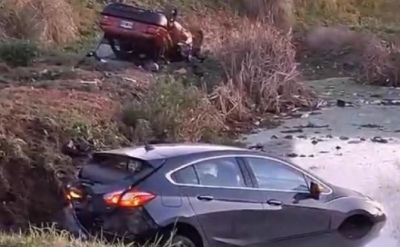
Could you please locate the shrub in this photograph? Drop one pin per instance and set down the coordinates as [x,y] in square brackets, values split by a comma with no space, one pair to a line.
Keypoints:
[278,12]
[380,63]
[45,21]
[263,68]
[172,111]
[18,52]
[332,39]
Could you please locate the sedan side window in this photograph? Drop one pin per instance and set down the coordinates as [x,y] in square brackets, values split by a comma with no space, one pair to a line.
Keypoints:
[220,172]
[186,175]
[274,175]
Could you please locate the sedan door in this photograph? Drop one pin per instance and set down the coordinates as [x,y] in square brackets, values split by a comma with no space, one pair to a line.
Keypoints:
[292,216]
[225,205]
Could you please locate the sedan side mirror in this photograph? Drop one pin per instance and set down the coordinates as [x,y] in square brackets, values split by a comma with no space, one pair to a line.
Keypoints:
[315,190]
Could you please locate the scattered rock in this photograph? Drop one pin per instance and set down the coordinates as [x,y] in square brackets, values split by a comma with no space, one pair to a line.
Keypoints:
[289,137]
[94,82]
[344,138]
[153,67]
[329,136]
[379,139]
[305,115]
[292,131]
[390,102]
[76,148]
[274,137]
[338,147]
[312,125]
[302,136]
[181,71]
[354,142]
[375,102]
[292,155]
[372,126]
[311,155]
[340,103]
[314,142]
[362,139]
[302,156]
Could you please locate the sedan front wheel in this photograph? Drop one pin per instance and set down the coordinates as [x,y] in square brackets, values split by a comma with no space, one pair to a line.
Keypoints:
[182,241]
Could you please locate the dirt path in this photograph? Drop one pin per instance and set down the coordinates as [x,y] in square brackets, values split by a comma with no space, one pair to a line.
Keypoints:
[339,147]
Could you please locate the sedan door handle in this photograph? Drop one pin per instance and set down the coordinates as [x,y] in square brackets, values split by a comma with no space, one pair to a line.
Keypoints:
[274,202]
[205,198]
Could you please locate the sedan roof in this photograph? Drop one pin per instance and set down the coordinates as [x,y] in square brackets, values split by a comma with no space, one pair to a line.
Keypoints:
[165,151]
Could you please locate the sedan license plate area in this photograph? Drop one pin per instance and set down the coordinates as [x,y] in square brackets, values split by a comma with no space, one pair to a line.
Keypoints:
[126,24]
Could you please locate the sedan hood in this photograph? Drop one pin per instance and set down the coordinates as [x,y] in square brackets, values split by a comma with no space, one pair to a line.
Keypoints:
[339,192]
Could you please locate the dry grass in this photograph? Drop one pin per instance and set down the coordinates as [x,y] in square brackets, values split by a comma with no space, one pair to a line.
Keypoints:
[366,13]
[46,21]
[374,60]
[331,39]
[51,238]
[278,12]
[260,67]
[173,112]
[263,66]
[380,63]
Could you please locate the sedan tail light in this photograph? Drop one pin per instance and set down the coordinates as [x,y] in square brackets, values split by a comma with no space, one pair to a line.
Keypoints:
[152,30]
[108,21]
[73,193]
[128,199]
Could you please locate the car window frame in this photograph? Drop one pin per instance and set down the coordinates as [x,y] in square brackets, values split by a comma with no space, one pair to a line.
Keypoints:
[277,162]
[248,183]
[242,162]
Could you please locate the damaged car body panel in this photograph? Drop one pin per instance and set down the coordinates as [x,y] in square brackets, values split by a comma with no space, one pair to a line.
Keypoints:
[216,196]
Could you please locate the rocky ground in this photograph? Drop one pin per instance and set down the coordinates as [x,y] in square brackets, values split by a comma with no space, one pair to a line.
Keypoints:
[355,146]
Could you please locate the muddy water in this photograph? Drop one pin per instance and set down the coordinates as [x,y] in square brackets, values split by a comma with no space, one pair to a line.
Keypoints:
[339,148]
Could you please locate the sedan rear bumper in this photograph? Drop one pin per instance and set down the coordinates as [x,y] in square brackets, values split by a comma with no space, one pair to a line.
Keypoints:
[131,226]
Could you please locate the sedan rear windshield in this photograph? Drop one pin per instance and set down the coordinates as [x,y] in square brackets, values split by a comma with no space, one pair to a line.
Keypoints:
[119,162]
[110,168]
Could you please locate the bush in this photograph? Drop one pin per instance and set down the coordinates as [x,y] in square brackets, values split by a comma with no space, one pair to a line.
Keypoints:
[369,58]
[263,68]
[380,63]
[278,12]
[172,111]
[45,21]
[18,52]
